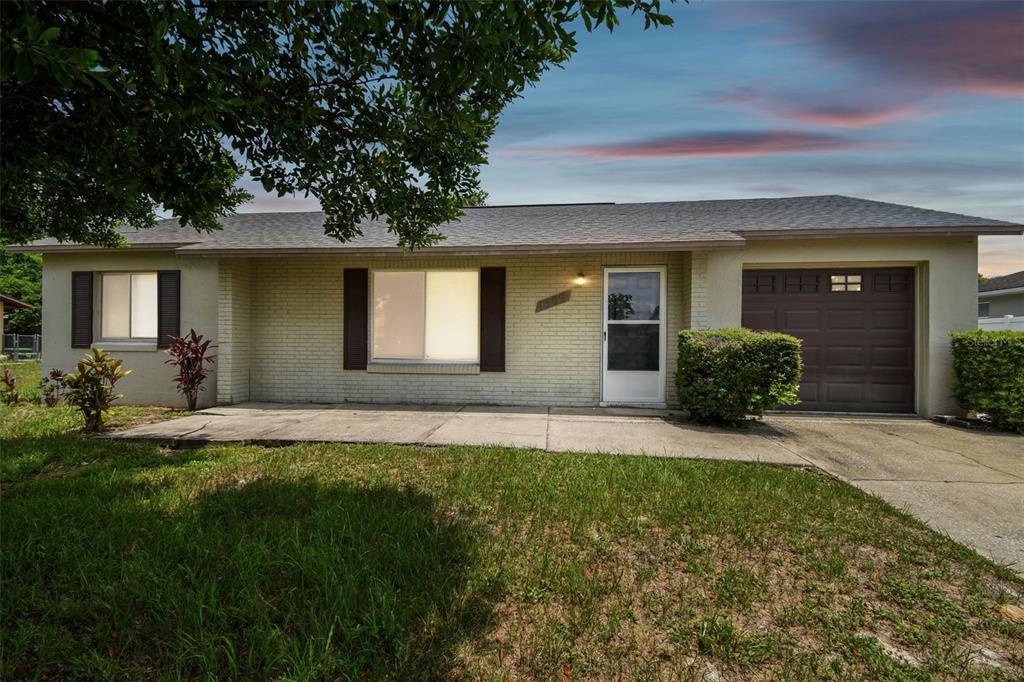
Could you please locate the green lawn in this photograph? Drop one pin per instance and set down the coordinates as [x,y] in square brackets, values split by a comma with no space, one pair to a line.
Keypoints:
[26,374]
[130,561]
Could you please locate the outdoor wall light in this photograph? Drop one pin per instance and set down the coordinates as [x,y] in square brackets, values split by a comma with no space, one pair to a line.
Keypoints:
[580,279]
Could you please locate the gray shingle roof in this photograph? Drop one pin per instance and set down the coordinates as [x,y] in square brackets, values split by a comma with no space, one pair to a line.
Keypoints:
[1014,280]
[577,226]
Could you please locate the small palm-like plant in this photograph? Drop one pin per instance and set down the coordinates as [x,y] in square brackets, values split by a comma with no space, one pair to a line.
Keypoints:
[189,356]
[91,386]
[9,387]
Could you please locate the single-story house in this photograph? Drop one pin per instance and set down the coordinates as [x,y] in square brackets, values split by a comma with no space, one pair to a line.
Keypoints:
[1001,296]
[574,304]
[10,303]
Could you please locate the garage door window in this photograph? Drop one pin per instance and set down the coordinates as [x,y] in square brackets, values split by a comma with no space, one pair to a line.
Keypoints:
[845,282]
[801,284]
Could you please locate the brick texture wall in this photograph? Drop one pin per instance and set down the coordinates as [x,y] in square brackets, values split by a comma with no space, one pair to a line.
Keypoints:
[697,290]
[290,310]
[234,342]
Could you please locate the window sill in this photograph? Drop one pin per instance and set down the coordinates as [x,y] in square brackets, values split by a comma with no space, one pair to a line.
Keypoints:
[125,345]
[379,367]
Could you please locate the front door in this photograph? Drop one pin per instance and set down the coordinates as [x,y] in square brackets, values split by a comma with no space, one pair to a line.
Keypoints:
[633,355]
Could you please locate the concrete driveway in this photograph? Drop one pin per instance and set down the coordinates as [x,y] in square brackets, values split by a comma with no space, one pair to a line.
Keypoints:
[969,484]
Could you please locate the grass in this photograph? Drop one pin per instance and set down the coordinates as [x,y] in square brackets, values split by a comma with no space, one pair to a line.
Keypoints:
[130,561]
[26,374]
[49,438]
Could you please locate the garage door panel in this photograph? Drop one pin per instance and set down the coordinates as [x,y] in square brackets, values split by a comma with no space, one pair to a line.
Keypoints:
[857,328]
[846,319]
[846,357]
[899,357]
[811,356]
[844,392]
[759,319]
[890,394]
[809,391]
[801,320]
[889,318]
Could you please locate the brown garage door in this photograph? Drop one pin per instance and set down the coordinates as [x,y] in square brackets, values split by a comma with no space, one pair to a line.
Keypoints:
[857,327]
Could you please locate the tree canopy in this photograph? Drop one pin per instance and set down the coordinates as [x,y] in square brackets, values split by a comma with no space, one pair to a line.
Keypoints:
[21,276]
[113,110]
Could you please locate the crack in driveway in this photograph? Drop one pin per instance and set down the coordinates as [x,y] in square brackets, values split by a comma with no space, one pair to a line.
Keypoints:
[955,452]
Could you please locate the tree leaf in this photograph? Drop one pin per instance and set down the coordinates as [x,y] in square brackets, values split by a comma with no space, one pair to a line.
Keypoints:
[24,69]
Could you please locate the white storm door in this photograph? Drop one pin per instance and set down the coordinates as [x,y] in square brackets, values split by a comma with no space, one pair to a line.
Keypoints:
[633,353]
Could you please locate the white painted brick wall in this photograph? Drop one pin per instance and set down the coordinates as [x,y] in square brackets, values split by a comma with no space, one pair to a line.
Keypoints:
[552,357]
[234,331]
[698,292]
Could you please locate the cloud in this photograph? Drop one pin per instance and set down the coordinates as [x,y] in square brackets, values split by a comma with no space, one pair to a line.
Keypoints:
[820,109]
[973,47]
[742,95]
[719,144]
[845,116]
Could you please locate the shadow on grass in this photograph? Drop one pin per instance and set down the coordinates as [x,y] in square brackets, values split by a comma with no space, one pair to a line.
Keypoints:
[252,579]
[61,454]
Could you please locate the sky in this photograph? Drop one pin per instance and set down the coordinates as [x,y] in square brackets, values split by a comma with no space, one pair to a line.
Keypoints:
[919,103]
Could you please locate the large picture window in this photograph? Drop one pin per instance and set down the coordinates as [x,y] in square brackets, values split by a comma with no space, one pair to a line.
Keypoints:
[426,316]
[128,305]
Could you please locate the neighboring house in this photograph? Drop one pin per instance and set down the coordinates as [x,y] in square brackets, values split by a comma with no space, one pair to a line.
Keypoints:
[1001,296]
[10,303]
[575,304]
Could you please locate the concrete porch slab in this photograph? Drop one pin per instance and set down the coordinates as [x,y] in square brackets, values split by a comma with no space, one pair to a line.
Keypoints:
[523,430]
[666,438]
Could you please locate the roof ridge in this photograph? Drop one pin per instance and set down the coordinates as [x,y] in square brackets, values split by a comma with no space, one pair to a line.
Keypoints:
[598,224]
[588,203]
[1014,279]
[906,206]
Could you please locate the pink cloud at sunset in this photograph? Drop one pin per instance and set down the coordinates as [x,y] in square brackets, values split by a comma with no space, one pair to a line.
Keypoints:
[722,144]
[964,47]
[846,116]
[820,109]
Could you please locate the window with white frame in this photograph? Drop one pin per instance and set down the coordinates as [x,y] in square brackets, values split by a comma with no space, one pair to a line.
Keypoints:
[431,316]
[128,304]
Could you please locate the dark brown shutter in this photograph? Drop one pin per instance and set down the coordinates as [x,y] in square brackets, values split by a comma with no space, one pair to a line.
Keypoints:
[168,307]
[81,309]
[492,319]
[357,304]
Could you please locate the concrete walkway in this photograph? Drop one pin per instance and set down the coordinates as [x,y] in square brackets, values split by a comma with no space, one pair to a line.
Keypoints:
[969,484]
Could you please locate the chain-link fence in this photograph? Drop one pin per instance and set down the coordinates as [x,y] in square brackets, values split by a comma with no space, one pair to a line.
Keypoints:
[22,346]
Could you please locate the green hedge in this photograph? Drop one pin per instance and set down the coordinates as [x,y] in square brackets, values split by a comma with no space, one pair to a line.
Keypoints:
[725,374]
[989,369]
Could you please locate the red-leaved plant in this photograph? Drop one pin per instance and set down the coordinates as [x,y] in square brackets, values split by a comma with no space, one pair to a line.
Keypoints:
[188,355]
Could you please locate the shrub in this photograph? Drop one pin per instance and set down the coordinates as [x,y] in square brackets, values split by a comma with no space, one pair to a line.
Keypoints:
[52,388]
[9,390]
[723,375]
[989,369]
[188,355]
[91,387]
